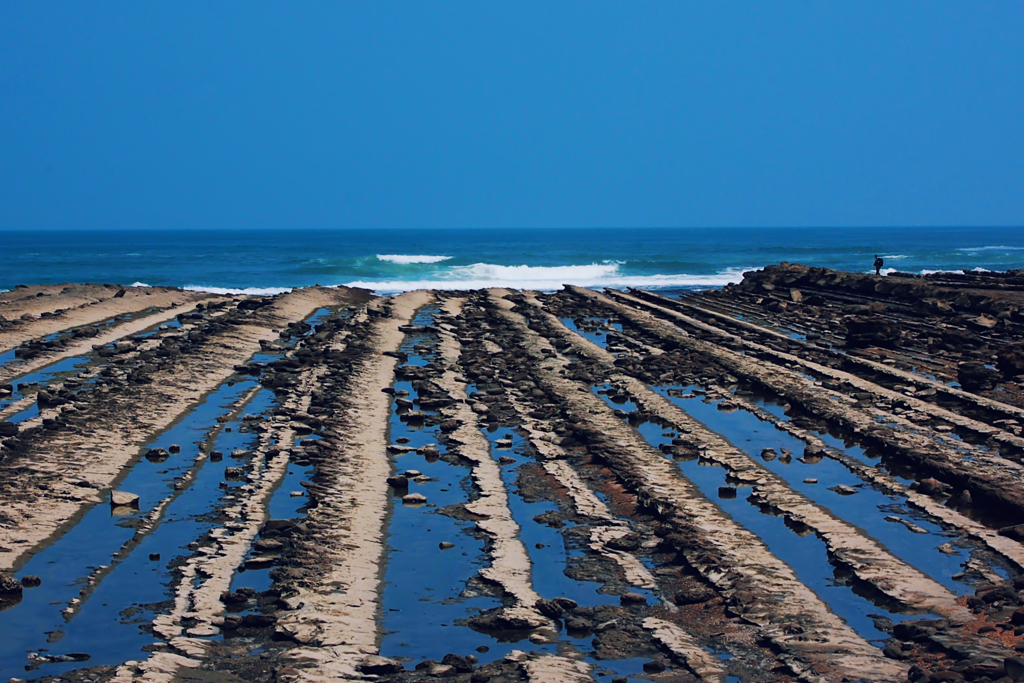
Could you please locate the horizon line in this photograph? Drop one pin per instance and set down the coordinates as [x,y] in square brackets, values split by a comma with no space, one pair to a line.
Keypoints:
[562,227]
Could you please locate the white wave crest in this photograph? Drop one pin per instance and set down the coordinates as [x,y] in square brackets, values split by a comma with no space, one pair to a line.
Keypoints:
[998,247]
[926,271]
[139,284]
[250,291]
[487,275]
[962,271]
[895,257]
[406,259]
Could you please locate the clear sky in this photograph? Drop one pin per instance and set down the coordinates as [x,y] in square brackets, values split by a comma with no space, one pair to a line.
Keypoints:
[362,114]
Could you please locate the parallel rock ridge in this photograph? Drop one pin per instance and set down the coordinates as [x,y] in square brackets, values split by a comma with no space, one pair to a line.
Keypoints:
[809,475]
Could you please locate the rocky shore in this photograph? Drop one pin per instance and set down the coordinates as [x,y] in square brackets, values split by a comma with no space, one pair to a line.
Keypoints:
[809,475]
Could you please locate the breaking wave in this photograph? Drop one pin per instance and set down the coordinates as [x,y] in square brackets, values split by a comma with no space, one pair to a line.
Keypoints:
[404,260]
[251,291]
[926,271]
[546,278]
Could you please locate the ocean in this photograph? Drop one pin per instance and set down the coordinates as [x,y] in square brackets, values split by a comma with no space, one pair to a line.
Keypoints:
[394,260]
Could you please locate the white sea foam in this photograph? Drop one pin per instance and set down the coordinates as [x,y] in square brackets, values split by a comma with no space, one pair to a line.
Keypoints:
[895,257]
[139,284]
[251,291]
[926,271]
[406,259]
[979,269]
[485,275]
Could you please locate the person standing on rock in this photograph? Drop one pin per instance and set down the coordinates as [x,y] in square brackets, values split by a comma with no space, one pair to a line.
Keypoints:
[878,264]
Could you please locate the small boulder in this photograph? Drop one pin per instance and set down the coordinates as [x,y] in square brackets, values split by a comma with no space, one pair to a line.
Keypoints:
[549,608]
[258,620]
[380,666]
[1014,667]
[278,526]
[628,543]
[654,666]
[124,499]
[578,625]
[893,651]
[156,455]
[1010,360]
[913,630]
[632,599]
[974,376]
[932,487]
[414,499]
[812,455]
[843,490]
[568,604]
[9,585]
[460,664]
[233,598]
[231,622]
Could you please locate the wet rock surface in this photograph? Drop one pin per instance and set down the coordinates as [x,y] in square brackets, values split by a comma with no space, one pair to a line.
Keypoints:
[611,478]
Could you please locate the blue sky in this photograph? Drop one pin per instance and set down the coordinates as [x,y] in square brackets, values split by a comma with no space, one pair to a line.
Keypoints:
[466,114]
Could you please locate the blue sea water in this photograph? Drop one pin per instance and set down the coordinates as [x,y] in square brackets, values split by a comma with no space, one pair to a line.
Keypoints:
[400,259]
